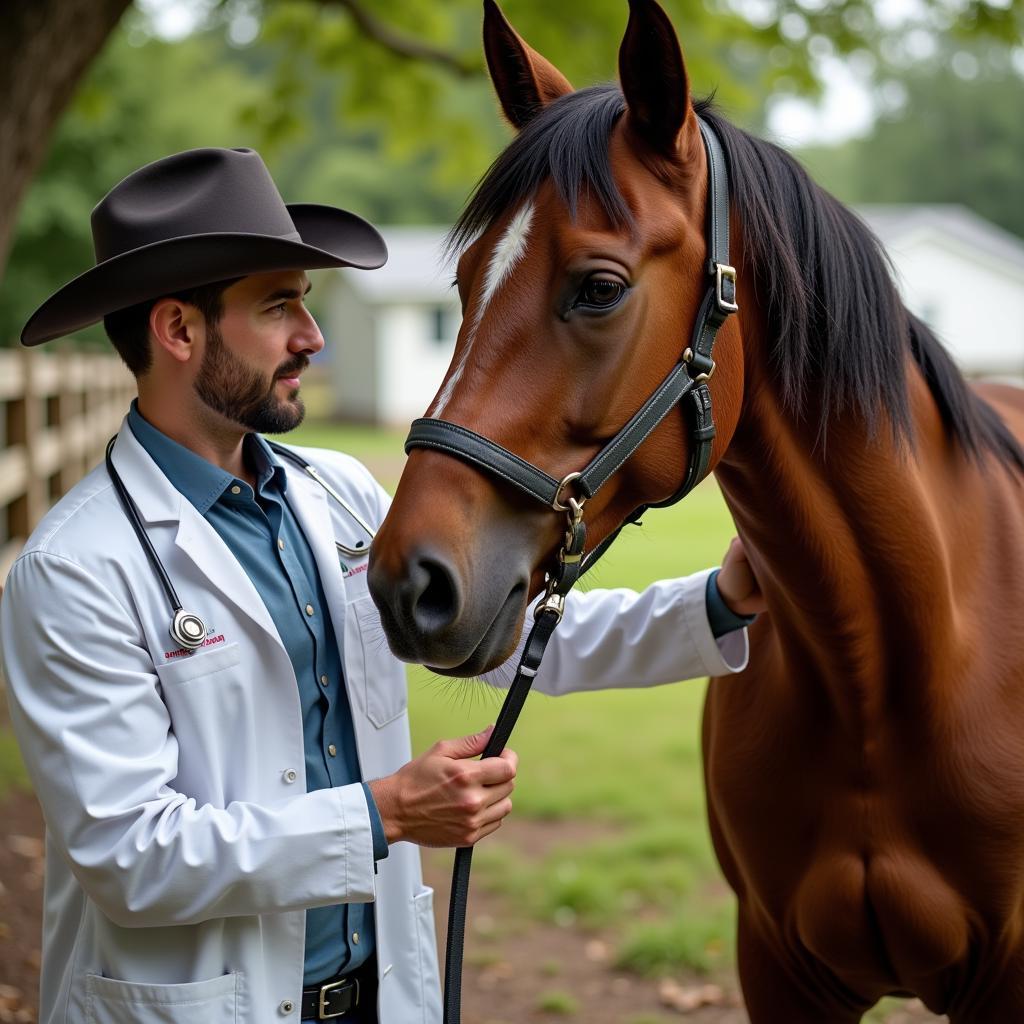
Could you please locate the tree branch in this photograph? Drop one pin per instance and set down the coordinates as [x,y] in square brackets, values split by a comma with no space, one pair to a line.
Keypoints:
[405,46]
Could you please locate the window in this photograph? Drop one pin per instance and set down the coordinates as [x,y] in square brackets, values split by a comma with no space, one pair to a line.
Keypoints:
[443,325]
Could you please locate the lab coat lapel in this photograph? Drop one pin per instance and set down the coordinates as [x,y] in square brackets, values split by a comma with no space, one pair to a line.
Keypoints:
[309,502]
[159,501]
[200,542]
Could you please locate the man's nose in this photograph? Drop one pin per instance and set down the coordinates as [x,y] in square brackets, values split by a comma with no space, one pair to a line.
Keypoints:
[307,338]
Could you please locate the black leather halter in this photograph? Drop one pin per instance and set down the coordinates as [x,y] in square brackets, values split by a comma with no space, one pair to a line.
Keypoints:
[687,383]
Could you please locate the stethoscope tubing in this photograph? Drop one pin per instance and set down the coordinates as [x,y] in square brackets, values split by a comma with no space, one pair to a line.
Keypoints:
[186,628]
[352,552]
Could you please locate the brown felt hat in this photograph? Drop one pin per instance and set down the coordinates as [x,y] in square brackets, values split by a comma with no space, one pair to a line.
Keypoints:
[194,218]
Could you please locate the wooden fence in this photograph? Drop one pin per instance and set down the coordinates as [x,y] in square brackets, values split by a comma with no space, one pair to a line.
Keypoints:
[58,410]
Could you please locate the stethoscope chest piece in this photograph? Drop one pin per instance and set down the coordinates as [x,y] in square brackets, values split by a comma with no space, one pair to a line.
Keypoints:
[187,629]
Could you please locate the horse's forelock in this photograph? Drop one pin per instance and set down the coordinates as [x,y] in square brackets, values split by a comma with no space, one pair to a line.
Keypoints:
[567,142]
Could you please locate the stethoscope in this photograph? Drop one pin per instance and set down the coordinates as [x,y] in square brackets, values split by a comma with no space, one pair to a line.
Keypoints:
[188,629]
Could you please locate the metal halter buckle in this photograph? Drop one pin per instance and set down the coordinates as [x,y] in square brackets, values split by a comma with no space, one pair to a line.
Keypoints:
[552,602]
[688,357]
[723,272]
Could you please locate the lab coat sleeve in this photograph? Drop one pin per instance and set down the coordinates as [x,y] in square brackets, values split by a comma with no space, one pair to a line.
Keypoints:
[98,744]
[621,638]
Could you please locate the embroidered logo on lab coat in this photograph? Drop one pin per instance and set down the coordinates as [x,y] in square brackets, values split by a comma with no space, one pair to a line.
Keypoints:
[210,640]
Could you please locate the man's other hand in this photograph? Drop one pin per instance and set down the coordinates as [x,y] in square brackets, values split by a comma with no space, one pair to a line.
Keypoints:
[737,583]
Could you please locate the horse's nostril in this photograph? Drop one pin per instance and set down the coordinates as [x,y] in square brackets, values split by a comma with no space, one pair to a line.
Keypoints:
[436,604]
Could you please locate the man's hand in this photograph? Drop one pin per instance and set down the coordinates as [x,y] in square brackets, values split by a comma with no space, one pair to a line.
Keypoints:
[737,583]
[445,797]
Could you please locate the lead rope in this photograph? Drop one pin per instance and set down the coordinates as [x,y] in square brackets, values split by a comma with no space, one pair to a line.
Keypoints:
[546,618]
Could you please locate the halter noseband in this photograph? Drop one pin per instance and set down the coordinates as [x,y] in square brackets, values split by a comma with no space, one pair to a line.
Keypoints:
[687,381]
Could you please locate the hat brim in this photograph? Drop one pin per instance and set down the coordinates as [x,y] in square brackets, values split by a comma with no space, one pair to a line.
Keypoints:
[329,237]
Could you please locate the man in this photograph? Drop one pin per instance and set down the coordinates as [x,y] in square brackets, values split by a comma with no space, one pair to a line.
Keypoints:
[214,727]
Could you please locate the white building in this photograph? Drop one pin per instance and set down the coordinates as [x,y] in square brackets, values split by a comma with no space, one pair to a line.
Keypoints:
[964,277]
[394,329]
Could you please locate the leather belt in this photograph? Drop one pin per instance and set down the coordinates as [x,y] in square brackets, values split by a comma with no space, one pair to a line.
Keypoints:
[335,999]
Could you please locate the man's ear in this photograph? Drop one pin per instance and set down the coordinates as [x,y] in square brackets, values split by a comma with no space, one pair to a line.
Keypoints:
[174,327]
[525,81]
[653,78]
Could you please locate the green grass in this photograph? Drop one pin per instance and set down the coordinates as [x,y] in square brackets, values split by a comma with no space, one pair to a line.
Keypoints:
[559,1004]
[367,444]
[12,769]
[693,940]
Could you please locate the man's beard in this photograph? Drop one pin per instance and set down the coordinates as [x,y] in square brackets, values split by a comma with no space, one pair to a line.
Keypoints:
[238,391]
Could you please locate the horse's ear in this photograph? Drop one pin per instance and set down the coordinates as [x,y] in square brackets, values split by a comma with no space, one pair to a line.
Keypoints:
[524,80]
[653,76]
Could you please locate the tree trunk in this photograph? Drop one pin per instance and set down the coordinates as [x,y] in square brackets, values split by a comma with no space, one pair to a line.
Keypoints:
[45,48]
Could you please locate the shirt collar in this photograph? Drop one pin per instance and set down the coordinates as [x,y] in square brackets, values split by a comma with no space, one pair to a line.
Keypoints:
[198,479]
[268,467]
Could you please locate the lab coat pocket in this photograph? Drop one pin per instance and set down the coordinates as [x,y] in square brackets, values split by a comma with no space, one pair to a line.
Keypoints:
[201,663]
[123,1002]
[386,690]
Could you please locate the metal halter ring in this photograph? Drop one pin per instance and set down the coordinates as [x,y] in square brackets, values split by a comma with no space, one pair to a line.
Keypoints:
[556,503]
[188,630]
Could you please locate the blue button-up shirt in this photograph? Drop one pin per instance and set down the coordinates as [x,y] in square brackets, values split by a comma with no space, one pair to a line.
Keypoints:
[262,532]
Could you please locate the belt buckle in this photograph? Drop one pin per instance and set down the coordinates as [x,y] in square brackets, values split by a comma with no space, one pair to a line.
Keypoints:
[326,989]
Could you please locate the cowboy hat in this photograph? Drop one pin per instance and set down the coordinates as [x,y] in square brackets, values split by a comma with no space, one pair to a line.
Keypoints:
[193,218]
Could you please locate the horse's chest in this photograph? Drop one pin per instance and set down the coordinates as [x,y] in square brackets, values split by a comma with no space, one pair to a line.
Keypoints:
[889,916]
[870,870]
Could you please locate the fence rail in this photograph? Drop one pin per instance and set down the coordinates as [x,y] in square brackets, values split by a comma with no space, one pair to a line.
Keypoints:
[59,410]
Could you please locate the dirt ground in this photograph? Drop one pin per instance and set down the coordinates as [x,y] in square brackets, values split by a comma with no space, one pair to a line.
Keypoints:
[527,973]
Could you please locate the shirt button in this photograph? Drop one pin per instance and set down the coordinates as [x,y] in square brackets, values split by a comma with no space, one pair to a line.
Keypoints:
[355,938]
[309,609]
[236,489]
[280,543]
[332,750]
[286,1007]
[290,775]
[324,680]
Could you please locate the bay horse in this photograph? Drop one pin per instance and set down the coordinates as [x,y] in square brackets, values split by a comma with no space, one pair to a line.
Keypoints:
[865,773]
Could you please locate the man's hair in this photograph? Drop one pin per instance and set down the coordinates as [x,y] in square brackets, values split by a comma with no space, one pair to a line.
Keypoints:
[128,329]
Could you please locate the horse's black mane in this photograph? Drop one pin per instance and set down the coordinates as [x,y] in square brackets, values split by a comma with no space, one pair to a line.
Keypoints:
[835,317]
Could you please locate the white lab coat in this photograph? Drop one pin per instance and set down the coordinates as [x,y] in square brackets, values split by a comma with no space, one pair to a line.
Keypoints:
[182,848]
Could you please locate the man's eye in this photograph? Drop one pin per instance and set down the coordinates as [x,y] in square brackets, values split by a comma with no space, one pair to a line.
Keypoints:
[279,308]
[601,293]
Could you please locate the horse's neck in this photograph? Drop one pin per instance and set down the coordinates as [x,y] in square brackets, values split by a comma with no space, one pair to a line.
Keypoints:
[851,541]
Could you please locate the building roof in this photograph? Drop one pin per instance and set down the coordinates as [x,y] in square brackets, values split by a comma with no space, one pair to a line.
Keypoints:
[893,223]
[416,270]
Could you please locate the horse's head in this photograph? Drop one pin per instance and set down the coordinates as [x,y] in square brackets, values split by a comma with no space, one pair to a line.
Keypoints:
[583,264]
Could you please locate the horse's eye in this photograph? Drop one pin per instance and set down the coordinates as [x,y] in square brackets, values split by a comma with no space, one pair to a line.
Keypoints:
[601,293]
